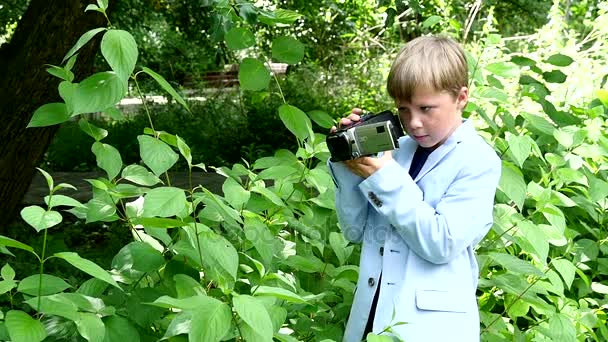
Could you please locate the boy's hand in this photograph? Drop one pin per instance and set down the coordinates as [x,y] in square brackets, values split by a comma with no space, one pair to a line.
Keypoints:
[354,116]
[366,166]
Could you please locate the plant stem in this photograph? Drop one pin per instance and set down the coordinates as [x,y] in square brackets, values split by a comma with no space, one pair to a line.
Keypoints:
[41,267]
[143,101]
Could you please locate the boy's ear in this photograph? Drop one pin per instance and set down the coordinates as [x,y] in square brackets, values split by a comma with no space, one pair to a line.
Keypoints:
[463,98]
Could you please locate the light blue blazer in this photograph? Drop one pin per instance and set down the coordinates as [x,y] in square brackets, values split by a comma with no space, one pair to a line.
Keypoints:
[420,233]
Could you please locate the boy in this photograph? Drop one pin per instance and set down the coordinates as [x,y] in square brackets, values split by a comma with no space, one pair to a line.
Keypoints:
[420,210]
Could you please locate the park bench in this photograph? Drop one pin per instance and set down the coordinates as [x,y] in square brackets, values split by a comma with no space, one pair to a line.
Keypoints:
[229,78]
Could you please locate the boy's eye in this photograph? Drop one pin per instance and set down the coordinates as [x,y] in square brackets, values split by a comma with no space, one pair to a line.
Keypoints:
[425,108]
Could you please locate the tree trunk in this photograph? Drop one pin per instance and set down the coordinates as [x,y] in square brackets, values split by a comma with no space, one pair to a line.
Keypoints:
[45,33]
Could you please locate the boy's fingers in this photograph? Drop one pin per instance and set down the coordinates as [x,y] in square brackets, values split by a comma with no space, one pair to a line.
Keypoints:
[345,122]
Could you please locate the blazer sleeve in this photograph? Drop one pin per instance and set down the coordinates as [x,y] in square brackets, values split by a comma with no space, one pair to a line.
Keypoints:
[461,217]
[351,206]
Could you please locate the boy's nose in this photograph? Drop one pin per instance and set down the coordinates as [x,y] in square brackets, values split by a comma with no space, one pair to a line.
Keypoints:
[414,122]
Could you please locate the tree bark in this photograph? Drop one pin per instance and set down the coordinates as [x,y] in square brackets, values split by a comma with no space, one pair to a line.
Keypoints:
[45,33]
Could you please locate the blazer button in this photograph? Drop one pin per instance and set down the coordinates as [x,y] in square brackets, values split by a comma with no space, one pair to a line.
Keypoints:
[381,250]
[371,282]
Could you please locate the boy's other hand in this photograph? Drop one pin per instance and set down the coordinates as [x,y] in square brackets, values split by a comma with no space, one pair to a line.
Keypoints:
[366,166]
[353,117]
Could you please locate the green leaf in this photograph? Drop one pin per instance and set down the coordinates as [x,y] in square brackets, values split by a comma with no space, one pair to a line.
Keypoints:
[119,49]
[268,194]
[561,328]
[50,285]
[82,41]
[187,287]
[254,314]
[512,183]
[532,240]
[253,75]
[320,179]
[8,242]
[566,269]
[6,285]
[120,329]
[554,76]
[287,50]
[563,137]
[248,12]
[39,218]
[7,272]
[166,86]
[92,130]
[180,325]
[258,233]
[235,194]
[59,200]
[54,305]
[239,38]
[164,202]
[70,63]
[139,175]
[338,243]
[371,337]
[213,321]
[431,21]
[520,147]
[61,73]
[504,69]
[156,222]
[98,210]
[220,258]
[321,118]
[91,7]
[66,91]
[87,266]
[98,92]
[108,158]
[555,216]
[138,256]
[90,326]
[279,293]
[540,124]
[296,121]
[184,149]
[47,176]
[23,328]
[103,4]
[279,17]
[156,154]
[277,172]
[559,60]
[93,287]
[515,265]
[308,264]
[49,114]
[523,61]
[602,94]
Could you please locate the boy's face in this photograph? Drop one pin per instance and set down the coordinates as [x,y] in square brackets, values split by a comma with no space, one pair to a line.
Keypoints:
[431,116]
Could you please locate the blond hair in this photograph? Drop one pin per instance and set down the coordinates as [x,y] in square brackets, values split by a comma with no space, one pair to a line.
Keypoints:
[433,62]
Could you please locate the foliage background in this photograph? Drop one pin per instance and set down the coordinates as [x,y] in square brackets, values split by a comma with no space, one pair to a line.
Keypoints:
[538,84]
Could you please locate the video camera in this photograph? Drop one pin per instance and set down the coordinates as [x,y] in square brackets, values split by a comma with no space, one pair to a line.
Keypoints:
[372,134]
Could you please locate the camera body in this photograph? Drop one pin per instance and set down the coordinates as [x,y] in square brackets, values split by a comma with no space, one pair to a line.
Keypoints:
[372,134]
